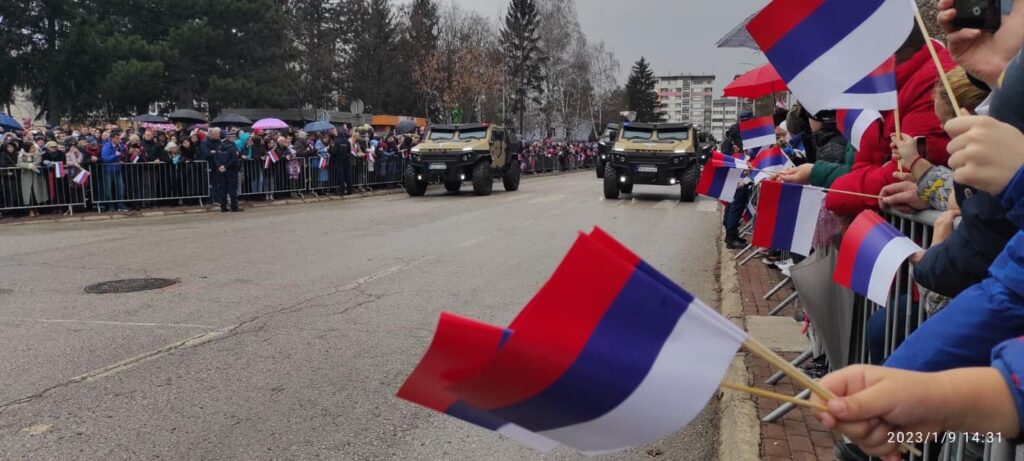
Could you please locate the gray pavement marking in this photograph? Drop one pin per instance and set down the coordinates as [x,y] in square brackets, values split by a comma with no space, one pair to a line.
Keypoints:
[103,322]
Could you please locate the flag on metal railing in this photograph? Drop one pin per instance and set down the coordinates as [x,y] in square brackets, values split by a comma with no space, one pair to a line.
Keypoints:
[720,177]
[829,52]
[135,156]
[769,161]
[757,132]
[82,178]
[58,169]
[787,215]
[594,369]
[324,163]
[854,123]
[871,254]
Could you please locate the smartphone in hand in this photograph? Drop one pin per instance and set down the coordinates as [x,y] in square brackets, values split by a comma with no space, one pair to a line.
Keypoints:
[978,14]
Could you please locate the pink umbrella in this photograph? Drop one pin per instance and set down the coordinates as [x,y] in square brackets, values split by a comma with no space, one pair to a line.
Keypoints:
[269,124]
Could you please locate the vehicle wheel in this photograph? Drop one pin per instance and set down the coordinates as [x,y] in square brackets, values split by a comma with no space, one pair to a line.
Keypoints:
[600,171]
[626,188]
[452,186]
[414,187]
[688,184]
[512,175]
[483,182]
[611,186]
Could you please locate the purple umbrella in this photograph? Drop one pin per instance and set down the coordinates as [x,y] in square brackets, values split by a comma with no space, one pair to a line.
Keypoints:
[269,124]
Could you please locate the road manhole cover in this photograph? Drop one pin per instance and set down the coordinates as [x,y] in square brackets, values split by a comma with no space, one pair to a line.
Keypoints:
[129,285]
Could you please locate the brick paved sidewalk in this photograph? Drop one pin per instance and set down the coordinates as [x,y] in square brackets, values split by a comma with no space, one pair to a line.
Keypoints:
[798,436]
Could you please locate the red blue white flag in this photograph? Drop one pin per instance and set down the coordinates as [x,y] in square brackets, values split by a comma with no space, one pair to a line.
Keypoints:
[58,169]
[769,161]
[871,253]
[758,132]
[720,177]
[135,157]
[855,123]
[324,163]
[832,53]
[82,178]
[594,369]
[787,215]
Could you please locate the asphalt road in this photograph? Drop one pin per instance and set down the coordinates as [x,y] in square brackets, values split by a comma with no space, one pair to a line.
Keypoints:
[292,327]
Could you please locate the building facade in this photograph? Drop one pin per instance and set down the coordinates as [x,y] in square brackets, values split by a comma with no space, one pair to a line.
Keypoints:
[724,113]
[687,99]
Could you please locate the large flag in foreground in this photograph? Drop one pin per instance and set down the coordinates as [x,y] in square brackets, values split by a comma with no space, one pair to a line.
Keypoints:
[871,253]
[833,54]
[787,215]
[608,354]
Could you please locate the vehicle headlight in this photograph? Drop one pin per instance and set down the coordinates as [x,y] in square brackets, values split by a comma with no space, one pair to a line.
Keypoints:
[416,157]
[677,160]
[603,157]
[467,157]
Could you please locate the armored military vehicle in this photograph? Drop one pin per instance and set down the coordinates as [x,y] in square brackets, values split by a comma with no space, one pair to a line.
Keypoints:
[664,154]
[453,154]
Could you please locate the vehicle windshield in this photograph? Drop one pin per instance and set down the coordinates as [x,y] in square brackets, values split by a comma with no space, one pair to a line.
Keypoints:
[469,135]
[674,135]
[436,135]
[636,133]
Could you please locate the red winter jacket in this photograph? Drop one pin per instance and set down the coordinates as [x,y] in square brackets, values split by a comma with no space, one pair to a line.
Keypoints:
[872,167]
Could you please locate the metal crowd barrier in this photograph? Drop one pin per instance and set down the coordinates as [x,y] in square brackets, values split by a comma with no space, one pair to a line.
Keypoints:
[283,177]
[147,183]
[907,306]
[383,170]
[45,189]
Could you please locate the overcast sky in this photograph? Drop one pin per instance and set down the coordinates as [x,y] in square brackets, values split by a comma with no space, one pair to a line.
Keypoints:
[677,36]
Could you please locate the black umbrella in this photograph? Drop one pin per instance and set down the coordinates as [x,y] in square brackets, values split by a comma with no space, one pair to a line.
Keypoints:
[150,118]
[186,115]
[406,126]
[231,120]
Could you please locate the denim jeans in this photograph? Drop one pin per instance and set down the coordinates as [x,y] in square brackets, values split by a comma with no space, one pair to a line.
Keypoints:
[113,183]
[734,212]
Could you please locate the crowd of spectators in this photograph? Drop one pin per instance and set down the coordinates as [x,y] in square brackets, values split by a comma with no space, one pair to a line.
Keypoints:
[184,163]
[548,155]
[959,370]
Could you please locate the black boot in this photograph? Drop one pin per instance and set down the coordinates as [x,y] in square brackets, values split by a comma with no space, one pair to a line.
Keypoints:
[733,242]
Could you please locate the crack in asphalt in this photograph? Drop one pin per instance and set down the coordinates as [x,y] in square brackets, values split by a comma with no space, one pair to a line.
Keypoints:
[211,337]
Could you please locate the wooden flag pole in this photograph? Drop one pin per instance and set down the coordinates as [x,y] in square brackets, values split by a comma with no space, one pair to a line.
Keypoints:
[801,378]
[938,63]
[772,395]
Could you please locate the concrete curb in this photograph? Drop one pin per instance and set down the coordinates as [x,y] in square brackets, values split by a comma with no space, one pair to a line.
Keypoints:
[739,429]
[210,208]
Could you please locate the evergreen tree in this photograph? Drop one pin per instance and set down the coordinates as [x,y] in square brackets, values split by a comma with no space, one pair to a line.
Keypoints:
[420,42]
[316,41]
[524,60]
[372,55]
[640,95]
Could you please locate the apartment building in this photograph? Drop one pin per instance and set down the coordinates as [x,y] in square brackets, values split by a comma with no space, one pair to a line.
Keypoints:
[687,99]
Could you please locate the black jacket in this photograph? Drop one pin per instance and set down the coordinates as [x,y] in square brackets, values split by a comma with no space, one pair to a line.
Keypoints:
[830,146]
[341,149]
[226,156]
[964,258]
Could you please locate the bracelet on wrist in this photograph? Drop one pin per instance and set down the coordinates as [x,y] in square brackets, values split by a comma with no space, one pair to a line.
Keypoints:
[919,158]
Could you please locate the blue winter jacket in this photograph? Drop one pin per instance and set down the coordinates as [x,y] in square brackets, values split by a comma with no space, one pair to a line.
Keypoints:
[111,164]
[965,333]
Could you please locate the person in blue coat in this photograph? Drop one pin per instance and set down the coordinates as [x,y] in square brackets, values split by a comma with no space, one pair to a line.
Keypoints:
[112,154]
[225,163]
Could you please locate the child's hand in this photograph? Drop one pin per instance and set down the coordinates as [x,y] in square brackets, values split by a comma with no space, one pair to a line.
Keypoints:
[944,226]
[874,402]
[905,146]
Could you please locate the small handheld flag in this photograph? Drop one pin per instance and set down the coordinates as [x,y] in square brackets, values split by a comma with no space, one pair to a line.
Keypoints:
[82,178]
[758,132]
[833,53]
[324,163]
[855,123]
[871,254]
[787,215]
[272,155]
[720,177]
[58,170]
[769,161]
[135,157]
